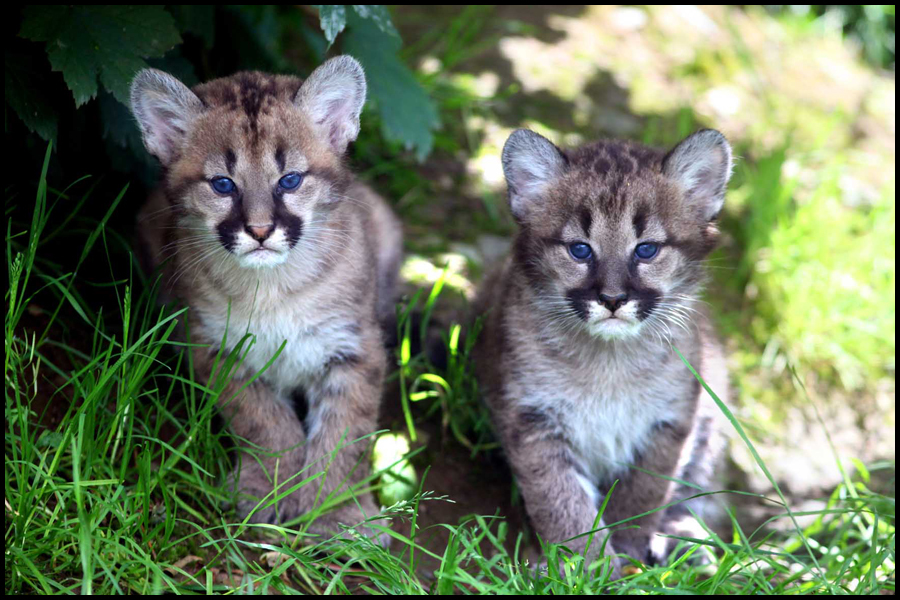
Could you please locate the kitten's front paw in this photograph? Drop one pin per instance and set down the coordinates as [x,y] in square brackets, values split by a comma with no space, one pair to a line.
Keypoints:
[253,493]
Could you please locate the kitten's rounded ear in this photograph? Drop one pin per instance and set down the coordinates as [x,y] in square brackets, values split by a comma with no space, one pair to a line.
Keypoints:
[333,97]
[164,108]
[530,162]
[701,163]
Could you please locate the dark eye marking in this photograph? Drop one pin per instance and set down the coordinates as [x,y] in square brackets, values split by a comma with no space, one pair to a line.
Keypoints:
[580,251]
[222,185]
[279,158]
[291,181]
[646,250]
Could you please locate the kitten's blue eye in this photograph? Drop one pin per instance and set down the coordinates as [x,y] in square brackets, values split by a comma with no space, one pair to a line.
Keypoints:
[580,251]
[646,250]
[223,185]
[290,181]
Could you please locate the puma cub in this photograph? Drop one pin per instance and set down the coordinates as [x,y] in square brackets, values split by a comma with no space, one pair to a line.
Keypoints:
[576,358]
[264,230]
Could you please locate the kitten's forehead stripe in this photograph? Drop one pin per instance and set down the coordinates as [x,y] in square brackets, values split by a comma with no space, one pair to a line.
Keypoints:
[548,242]
[639,221]
[250,92]
[607,175]
[230,160]
[586,219]
[625,165]
[279,158]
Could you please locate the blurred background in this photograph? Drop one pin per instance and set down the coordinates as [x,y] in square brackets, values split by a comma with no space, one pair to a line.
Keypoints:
[803,286]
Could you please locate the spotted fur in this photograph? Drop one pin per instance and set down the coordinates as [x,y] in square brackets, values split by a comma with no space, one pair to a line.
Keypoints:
[586,391]
[308,271]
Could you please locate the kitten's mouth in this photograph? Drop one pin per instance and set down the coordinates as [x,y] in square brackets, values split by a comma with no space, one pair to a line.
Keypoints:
[262,257]
[602,318]
[615,321]
[614,327]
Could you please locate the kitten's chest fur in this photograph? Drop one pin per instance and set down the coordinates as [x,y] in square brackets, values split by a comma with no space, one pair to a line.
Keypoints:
[608,403]
[311,337]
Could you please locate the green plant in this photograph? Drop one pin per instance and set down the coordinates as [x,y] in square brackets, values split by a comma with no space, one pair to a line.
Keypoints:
[98,49]
[824,301]
[451,388]
[872,26]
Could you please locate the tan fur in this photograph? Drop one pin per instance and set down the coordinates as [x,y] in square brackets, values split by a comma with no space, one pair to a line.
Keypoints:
[323,285]
[582,403]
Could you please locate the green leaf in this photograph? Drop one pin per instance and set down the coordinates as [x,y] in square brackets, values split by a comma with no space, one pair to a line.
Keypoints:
[261,45]
[120,129]
[106,42]
[314,39]
[119,126]
[407,113]
[379,15]
[25,93]
[50,439]
[122,138]
[333,18]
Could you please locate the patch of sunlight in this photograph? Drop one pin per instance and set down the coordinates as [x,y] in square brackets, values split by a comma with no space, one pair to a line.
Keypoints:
[430,65]
[723,100]
[759,79]
[483,85]
[556,68]
[424,272]
[399,481]
[484,170]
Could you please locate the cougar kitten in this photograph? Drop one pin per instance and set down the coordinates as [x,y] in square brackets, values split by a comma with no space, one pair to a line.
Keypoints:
[266,231]
[576,359]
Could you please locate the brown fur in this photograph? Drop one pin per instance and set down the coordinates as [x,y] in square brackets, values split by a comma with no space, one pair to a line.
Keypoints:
[327,286]
[580,403]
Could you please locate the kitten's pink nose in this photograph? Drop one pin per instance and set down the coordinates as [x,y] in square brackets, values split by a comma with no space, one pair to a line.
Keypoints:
[260,232]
